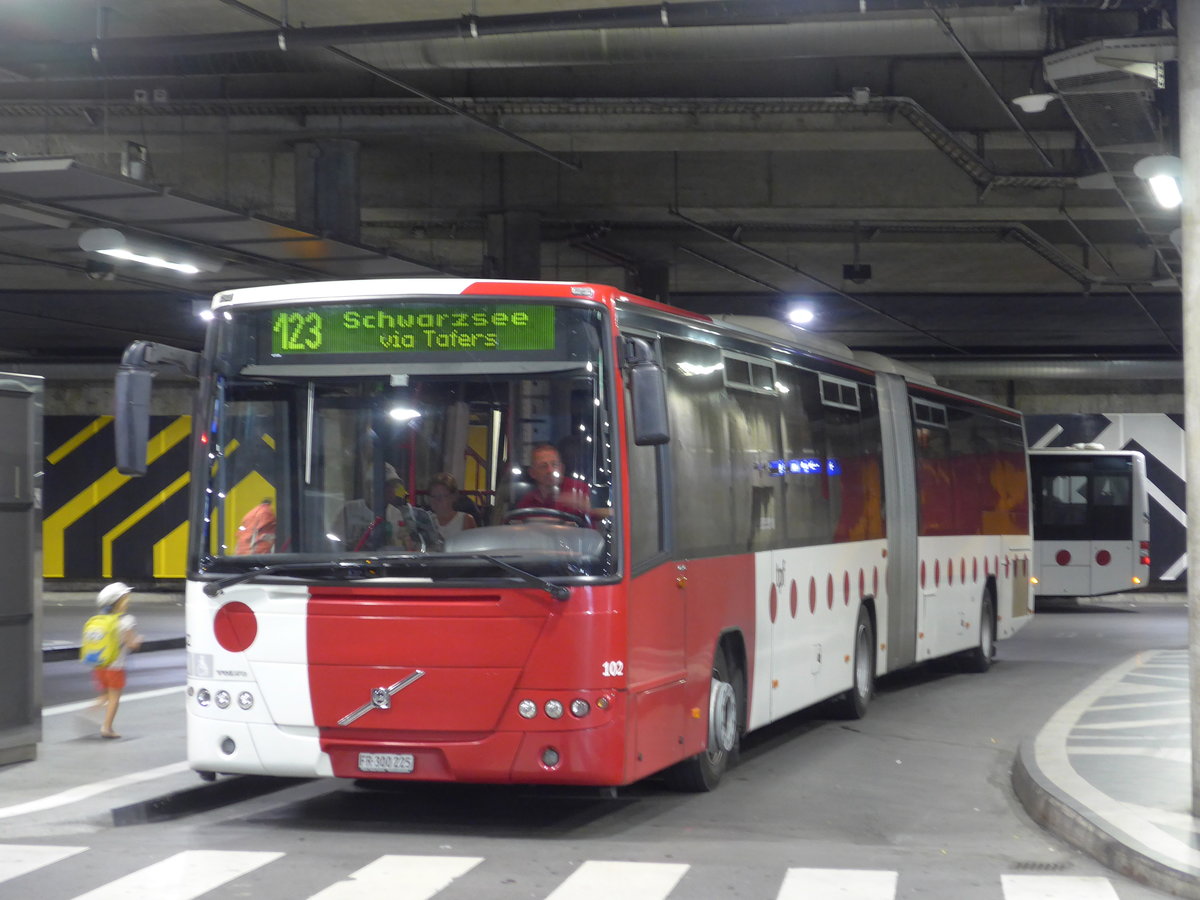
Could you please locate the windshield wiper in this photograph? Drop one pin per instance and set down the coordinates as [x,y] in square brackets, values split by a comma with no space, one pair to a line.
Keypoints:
[557,591]
[369,567]
[345,566]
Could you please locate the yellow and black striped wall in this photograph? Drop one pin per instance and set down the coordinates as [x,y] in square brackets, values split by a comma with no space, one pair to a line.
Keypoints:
[98,524]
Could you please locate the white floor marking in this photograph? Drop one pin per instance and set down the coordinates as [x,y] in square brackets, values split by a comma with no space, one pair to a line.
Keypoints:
[20,859]
[90,790]
[183,876]
[1052,753]
[400,878]
[596,880]
[1056,887]
[838,884]
[125,698]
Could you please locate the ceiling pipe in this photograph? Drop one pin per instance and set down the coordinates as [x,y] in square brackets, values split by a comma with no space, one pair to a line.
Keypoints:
[1074,370]
[664,15]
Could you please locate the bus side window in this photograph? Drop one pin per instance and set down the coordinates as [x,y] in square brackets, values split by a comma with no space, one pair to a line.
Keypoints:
[645,513]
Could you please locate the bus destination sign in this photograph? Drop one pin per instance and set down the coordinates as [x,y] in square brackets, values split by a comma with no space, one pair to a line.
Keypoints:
[418,329]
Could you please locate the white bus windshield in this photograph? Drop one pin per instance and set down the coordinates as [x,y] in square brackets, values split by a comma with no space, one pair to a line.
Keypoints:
[437,461]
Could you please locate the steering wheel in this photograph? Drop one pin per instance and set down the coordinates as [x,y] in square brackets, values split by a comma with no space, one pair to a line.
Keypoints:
[545,512]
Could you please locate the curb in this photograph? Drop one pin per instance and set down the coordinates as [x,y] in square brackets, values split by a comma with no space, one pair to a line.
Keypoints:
[1062,815]
[56,654]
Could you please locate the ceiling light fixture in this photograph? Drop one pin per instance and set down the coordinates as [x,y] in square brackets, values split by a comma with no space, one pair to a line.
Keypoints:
[112,243]
[1034,103]
[1162,173]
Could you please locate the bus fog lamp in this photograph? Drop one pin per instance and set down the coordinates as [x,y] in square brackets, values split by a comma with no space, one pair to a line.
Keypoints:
[580,708]
[245,699]
[527,709]
[228,746]
[554,709]
[223,699]
[550,757]
[203,697]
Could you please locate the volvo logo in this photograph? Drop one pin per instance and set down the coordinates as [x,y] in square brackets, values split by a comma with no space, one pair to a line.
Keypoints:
[381,698]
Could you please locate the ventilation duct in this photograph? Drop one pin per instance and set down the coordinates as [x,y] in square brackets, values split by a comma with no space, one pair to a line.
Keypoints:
[1108,90]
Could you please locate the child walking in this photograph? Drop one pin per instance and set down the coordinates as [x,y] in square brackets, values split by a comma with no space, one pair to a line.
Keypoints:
[113,599]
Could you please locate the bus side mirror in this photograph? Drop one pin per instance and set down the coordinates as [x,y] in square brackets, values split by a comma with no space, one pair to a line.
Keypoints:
[648,392]
[132,419]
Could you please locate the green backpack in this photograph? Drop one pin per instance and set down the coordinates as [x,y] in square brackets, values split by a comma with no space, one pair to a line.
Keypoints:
[101,642]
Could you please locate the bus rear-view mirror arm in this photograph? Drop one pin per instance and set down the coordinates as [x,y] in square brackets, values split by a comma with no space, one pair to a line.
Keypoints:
[132,389]
[648,392]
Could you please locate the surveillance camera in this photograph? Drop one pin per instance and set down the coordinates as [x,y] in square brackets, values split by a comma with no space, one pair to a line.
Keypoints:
[99,271]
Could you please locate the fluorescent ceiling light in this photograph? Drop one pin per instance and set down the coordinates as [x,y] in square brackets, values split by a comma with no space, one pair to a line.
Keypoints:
[112,243]
[1034,103]
[1162,173]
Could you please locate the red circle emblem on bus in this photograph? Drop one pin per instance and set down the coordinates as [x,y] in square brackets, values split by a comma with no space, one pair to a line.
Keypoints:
[862,584]
[949,571]
[974,568]
[1062,557]
[829,590]
[795,601]
[937,573]
[812,595]
[1103,558]
[774,603]
[846,588]
[235,626]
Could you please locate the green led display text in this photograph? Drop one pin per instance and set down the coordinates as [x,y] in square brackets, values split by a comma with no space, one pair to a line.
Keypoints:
[417,329]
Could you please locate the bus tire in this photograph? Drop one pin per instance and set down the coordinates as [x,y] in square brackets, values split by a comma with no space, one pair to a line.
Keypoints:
[979,659]
[703,771]
[853,704]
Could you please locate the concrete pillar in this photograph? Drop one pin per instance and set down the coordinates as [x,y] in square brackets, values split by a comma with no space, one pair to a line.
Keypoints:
[514,245]
[1188,22]
[327,188]
[652,280]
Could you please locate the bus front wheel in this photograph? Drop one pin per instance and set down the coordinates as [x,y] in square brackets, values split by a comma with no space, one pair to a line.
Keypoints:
[703,771]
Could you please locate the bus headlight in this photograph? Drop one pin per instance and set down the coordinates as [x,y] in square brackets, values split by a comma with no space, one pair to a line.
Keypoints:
[245,699]
[203,697]
[554,709]
[527,709]
[580,708]
[223,699]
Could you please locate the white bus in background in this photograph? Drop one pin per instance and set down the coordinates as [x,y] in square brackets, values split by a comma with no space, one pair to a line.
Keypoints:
[1091,520]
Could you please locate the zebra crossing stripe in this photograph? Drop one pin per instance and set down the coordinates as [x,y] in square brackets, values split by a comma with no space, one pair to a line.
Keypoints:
[183,876]
[21,859]
[597,880]
[1056,887]
[838,884]
[400,878]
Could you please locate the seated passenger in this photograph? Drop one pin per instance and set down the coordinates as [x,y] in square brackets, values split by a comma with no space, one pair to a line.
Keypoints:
[359,528]
[443,498]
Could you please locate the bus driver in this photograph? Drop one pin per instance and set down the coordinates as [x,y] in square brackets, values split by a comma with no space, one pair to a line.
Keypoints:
[551,490]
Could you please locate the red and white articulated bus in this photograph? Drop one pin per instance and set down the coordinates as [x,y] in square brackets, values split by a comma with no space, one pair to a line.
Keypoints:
[714,553]
[1091,520]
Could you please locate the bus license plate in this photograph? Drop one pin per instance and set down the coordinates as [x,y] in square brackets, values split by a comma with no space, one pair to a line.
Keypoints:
[399,763]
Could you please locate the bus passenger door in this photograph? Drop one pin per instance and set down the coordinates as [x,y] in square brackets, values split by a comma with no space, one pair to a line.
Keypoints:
[654,665]
[901,520]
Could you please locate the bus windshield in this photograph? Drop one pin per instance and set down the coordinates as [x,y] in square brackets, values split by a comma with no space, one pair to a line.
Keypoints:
[339,446]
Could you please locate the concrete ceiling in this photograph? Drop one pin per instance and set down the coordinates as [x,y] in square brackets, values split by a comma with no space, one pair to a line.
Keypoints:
[728,157]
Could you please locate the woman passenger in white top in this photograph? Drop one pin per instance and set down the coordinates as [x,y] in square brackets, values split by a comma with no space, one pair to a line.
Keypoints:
[443,492]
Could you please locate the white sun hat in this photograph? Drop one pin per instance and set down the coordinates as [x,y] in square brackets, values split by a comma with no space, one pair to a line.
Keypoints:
[111,593]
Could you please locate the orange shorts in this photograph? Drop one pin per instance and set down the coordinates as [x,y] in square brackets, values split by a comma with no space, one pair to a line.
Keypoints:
[108,679]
